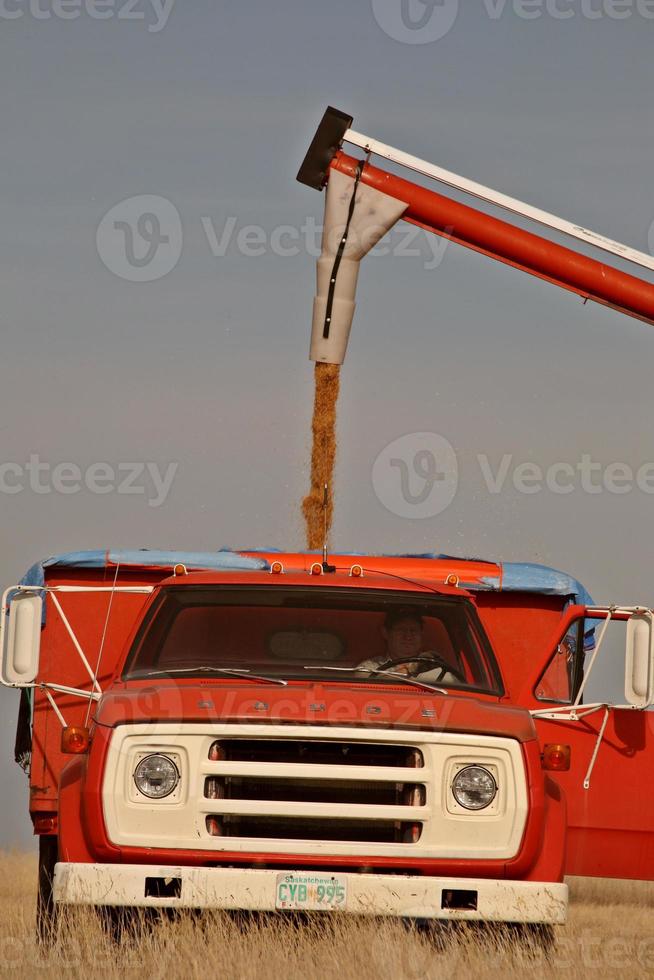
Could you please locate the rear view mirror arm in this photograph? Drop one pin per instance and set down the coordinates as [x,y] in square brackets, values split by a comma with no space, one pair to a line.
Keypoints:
[598,742]
[589,669]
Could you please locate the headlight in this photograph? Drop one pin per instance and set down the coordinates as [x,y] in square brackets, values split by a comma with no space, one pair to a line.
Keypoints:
[156,776]
[474,788]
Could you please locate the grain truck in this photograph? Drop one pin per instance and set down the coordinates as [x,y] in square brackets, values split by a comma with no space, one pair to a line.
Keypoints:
[370,735]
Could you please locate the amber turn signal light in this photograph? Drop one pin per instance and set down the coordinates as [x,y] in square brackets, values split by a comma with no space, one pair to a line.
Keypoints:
[45,824]
[556,757]
[75,740]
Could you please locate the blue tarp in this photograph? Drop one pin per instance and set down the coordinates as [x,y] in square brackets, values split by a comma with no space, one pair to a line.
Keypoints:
[528,577]
[514,576]
[211,561]
[521,577]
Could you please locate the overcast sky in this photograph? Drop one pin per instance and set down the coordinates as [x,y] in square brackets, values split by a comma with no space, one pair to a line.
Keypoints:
[182,342]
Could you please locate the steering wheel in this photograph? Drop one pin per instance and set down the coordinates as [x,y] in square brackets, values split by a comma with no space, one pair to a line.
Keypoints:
[431,663]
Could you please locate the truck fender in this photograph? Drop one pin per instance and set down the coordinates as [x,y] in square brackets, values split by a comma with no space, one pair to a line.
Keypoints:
[73,845]
[550,863]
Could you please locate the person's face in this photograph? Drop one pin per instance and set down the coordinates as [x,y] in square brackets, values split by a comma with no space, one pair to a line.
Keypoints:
[404,638]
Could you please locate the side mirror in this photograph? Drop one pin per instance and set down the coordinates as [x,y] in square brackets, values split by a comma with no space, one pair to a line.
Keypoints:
[20,631]
[639,663]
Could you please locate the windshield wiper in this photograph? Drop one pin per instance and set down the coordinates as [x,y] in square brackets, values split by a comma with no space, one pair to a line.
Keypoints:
[225,671]
[371,671]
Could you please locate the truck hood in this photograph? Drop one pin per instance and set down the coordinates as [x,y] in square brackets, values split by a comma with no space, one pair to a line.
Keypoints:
[338,704]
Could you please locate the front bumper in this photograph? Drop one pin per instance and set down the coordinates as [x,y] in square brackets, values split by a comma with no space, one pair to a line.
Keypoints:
[406,896]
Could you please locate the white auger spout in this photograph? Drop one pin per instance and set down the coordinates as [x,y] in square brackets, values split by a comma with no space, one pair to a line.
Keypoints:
[356,218]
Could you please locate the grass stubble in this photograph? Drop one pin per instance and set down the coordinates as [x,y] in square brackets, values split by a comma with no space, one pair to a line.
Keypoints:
[610,933]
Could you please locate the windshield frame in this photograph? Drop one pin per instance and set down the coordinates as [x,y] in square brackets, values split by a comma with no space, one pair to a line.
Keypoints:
[386,597]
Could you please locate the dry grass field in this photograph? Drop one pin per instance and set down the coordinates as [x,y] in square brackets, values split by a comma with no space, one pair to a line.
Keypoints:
[610,933]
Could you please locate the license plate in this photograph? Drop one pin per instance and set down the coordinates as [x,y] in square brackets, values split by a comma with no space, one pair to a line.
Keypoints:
[311,892]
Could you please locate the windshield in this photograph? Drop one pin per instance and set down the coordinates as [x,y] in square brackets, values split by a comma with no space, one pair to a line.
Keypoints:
[298,633]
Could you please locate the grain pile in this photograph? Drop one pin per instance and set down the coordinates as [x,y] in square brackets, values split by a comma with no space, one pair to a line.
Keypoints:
[323,454]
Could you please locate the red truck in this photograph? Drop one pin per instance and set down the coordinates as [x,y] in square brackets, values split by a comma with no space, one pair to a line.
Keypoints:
[403,736]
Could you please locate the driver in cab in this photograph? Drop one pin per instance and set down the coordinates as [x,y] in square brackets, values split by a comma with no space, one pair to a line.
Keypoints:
[403,636]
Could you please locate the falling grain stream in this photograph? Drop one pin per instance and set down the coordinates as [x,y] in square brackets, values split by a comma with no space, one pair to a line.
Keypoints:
[323,454]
